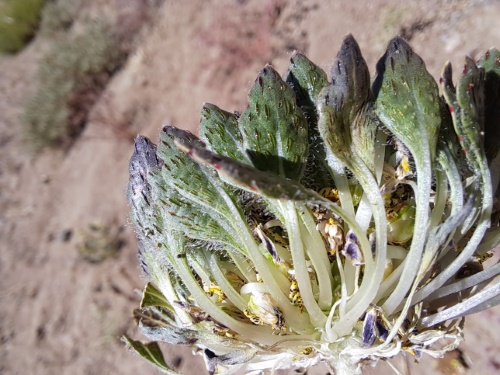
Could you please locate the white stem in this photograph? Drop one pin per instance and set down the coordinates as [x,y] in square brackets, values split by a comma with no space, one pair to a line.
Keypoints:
[317,316]
[315,248]
[412,266]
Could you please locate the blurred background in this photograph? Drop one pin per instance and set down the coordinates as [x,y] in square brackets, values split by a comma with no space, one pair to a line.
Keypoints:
[80,79]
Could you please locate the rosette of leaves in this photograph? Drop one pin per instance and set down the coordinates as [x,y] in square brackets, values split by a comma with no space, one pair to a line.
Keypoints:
[335,220]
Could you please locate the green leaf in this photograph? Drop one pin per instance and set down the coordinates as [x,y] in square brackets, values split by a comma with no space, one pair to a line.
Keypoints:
[144,211]
[363,131]
[447,136]
[219,129]
[307,80]
[350,87]
[143,162]
[407,99]
[151,352]
[196,205]
[274,127]
[490,62]
[197,184]
[466,104]
[189,217]
[248,178]
[152,297]
[346,121]
[407,102]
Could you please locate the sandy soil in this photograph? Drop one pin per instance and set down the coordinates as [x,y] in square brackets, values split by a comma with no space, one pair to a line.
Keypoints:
[60,314]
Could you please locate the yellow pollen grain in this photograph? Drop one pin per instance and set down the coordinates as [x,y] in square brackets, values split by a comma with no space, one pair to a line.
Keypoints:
[406,165]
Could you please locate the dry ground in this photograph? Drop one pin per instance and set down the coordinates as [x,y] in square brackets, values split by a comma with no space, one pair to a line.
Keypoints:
[60,314]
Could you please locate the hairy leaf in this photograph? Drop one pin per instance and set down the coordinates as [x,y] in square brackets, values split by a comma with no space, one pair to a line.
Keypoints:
[407,98]
[274,127]
[342,103]
[307,80]
[152,297]
[466,104]
[151,352]
[248,178]
[219,129]
[490,62]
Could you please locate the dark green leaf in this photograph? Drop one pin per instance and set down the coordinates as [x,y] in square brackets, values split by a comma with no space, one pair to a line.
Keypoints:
[363,132]
[490,62]
[144,211]
[346,121]
[350,87]
[407,99]
[190,217]
[152,353]
[307,80]
[248,178]
[194,182]
[142,163]
[274,127]
[466,104]
[152,297]
[219,129]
